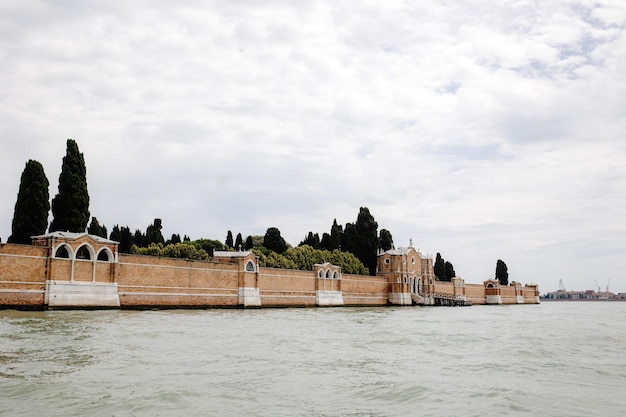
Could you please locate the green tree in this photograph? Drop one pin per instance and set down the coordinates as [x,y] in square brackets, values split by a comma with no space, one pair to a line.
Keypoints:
[116,234]
[312,239]
[70,207]
[440,268]
[209,245]
[96,229]
[126,240]
[139,239]
[249,243]
[450,273]
[349,241]
[305,256]
[30,217]
[153,233]
[332,241]
[274,241]
[367,239]
[502,272]
[239,242]
[229,240]
[257,240]
[176,250]
[385,240]
[175,238]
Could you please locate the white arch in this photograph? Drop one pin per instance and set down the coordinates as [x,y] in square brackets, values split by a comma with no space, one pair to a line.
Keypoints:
[108,252]
[92,253]
[328,273]
[336,275]
[68,248]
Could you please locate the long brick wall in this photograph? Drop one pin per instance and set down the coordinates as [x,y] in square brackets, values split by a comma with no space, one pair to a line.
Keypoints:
[232,280]
[145,282]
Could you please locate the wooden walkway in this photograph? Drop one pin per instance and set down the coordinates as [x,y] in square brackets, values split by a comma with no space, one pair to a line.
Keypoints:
[444,299]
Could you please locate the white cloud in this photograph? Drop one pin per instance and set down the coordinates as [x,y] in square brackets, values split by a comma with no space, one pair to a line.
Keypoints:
[482,131]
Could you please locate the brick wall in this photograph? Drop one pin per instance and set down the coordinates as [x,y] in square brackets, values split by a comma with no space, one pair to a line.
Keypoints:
[22,276]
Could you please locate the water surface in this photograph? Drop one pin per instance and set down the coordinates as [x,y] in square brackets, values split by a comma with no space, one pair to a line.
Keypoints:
[552,359]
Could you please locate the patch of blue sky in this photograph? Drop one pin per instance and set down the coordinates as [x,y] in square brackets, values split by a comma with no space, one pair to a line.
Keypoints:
[450,88]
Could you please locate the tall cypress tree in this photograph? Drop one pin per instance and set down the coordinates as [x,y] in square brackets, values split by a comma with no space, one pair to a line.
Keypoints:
[70,207]
[367,238]
[502,272]
[229,240]
[385,240]
[239,242]
[33,204]
[450,272]
[440,268]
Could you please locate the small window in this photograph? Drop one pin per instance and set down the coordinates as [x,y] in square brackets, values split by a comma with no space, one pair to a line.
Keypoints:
[83,253]
[336,275]
[328,274]
[320,273]
[387,261]
[413,260]
[250,267]
[103,256]
[62,253]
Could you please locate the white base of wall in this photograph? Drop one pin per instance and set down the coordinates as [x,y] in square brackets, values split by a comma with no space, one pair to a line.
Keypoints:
[493,299]
[67,294]
[519,299]
[400,298]
[249,297]
[328,298]
[537,300]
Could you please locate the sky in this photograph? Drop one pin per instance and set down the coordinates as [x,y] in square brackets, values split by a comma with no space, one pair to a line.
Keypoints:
[477,129]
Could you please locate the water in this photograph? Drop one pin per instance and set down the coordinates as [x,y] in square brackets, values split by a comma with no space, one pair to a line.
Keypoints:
[553,359]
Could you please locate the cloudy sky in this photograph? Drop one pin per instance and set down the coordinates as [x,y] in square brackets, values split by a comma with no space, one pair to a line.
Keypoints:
[481,130]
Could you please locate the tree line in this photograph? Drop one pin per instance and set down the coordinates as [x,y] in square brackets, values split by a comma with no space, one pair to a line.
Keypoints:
[354,246]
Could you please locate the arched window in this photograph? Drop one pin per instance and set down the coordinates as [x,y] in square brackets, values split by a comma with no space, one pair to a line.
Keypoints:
[320,273]
[62,252]
[103,256]
[250,266]
[328,274]
[490,285]
[336,275]
[83,253]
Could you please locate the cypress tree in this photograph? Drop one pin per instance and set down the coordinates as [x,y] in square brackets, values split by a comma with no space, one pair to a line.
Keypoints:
[502,272]
[239,242]
[450,273]
[70,207]
[440,268]
[385,240]
[229,240]
[32,206]
[126,240]
[336,234]
[153,233]
[96,229]
[249,243]
[367,239]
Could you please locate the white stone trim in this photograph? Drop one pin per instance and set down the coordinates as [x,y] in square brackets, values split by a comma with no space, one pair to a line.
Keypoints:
[249,297]
[328,298]
[81,294]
